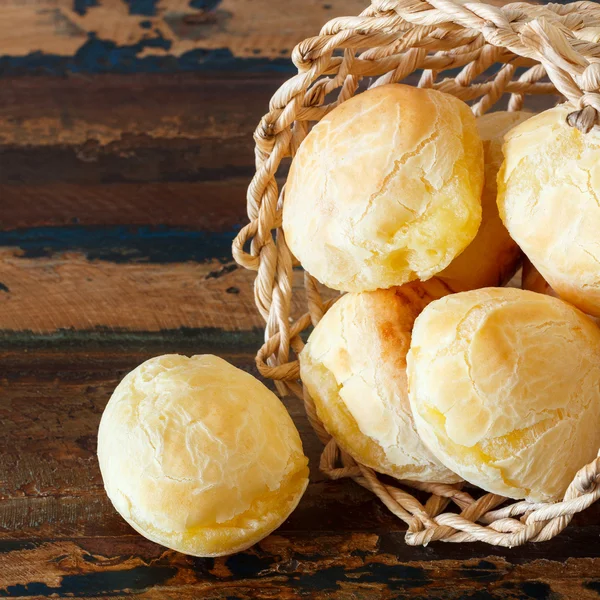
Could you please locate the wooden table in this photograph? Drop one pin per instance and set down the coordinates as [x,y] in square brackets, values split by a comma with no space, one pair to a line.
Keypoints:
[125,151]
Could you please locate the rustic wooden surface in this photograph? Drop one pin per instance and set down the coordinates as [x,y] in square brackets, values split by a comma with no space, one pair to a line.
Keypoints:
[125,150]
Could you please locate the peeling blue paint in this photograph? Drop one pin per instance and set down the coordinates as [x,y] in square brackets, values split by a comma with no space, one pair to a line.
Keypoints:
[146,24]
[3,288]
[122,244]
[142,7]
[81,6]
[104,56]
[205,4]
[94,584]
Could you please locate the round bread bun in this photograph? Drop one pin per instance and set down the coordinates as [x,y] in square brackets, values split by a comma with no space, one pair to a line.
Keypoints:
[199,456]
[492,258]
[354,369]
[385,189]
[549,200]
[504,389]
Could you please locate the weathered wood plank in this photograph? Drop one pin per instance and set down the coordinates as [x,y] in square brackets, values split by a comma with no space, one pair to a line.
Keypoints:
[286,566]
[146,161]
[60,36]
[214,206]
[245,29]
[44,111]
[68,291]
[178,151]
[121,244]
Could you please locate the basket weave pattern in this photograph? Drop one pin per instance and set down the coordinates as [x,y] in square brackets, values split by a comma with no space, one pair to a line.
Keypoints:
[531,49]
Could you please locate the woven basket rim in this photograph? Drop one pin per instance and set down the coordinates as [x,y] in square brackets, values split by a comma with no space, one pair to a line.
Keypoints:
[389,41]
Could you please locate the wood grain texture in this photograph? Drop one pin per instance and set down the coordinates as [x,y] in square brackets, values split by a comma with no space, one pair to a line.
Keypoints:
[285,566]
[98,36]
[215,206]
[246,29]
[72,111]
[166,129]
[65,290]
[70,292]
[177,152]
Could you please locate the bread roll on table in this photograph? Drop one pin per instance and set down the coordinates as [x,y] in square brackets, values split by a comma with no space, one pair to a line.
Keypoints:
[200,456]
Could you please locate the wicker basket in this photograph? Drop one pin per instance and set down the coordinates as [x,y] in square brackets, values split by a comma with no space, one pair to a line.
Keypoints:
[478,53]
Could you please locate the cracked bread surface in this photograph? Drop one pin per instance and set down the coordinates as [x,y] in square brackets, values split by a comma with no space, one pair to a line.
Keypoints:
[549,200]
[504,386]
[385,189]
[200,456]
[354,367]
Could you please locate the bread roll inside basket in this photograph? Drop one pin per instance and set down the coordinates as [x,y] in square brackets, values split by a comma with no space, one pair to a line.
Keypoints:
[479,53]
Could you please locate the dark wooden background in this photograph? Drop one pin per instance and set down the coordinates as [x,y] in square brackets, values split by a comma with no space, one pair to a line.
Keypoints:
[125,151]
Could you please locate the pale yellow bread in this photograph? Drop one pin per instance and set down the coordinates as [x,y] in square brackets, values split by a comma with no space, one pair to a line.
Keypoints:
[504,386]
[492,258]
[549,200]
[200,456]
[354,367]
[385,189]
